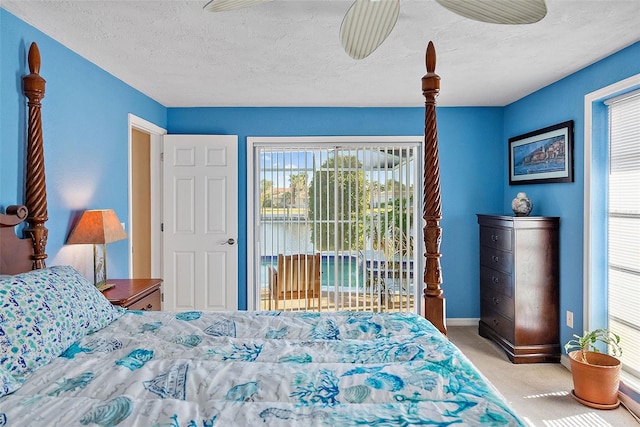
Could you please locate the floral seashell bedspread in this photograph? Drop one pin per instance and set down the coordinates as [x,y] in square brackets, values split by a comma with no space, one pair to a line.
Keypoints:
[259,368]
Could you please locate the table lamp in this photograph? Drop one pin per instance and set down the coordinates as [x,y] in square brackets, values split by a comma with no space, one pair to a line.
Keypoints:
[98,227]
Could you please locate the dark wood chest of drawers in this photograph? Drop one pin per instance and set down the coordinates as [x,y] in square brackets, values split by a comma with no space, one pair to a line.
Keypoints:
[519,286]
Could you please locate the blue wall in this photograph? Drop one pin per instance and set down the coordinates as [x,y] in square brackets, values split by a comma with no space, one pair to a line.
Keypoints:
[556,103]
[471,170]
[85,131]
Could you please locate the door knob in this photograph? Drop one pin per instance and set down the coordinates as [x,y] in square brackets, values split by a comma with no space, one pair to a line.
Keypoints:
[230,241]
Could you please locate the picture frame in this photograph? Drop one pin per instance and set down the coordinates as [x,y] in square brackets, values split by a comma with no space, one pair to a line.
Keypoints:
[543,156]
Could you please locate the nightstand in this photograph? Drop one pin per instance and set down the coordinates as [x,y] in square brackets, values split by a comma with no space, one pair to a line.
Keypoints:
[135,294]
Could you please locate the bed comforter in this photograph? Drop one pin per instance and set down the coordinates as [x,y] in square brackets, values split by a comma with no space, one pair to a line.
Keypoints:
[259,368]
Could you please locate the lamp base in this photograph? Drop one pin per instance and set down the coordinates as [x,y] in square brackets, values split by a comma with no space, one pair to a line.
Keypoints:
[104,286]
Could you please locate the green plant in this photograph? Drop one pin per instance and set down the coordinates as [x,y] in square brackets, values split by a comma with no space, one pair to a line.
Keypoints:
[588,341]
[390,228]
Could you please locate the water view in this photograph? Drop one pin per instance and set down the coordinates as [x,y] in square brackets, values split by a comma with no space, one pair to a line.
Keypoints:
[362,280]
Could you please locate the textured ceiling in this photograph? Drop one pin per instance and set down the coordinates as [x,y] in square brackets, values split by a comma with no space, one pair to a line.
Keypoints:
[288,53]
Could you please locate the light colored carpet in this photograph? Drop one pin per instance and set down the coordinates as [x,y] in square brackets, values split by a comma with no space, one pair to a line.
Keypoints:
[538,392]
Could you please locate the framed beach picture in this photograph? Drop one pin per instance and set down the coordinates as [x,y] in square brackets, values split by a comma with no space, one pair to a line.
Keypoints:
[542,156]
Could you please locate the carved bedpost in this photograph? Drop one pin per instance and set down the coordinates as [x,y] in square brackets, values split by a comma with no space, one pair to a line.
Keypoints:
[36,193]
[434,301]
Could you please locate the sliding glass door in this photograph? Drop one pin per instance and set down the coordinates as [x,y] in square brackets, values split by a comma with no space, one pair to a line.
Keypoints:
[355,204]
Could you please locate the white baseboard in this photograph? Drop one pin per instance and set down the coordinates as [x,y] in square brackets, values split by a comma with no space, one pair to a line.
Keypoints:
[564,361]
[462,321]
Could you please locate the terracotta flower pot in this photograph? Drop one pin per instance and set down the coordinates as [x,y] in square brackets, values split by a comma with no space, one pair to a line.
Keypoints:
[595,382]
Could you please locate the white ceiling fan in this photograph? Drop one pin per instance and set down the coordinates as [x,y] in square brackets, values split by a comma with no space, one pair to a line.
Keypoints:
[368,23]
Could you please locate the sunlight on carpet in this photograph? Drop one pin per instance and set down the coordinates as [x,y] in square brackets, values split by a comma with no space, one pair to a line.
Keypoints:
[553,393]
[590,419]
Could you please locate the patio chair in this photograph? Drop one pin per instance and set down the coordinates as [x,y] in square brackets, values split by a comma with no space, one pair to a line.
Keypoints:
[296,278]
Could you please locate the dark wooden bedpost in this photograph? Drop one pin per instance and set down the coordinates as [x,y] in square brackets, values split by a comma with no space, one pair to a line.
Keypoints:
[36,193]
[434,301]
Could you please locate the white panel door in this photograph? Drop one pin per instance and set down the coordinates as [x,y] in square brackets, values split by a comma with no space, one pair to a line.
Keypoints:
[200,216]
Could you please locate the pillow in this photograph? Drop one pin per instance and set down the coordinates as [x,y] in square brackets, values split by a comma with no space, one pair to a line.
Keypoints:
[43,312]
[91,304]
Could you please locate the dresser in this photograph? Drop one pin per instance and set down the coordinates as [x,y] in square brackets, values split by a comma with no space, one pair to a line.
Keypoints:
[519,286]
[136,294]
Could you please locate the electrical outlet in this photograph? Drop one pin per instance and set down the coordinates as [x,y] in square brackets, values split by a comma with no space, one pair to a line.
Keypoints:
[570,319]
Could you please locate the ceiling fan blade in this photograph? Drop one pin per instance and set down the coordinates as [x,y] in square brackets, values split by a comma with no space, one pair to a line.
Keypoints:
[498,11]
[366,25]
[222,5]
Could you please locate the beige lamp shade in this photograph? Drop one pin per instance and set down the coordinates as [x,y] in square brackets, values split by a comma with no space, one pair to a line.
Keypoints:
[97,227]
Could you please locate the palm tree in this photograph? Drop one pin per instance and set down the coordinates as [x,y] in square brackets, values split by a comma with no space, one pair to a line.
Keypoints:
[297,182]
[266,188]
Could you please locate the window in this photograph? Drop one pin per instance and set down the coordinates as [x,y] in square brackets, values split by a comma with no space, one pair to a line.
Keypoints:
[623,228]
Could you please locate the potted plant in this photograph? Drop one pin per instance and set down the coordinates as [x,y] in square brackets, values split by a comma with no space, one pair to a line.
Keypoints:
[596,375]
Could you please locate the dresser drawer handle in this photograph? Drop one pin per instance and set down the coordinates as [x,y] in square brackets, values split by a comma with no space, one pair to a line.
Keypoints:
[495,258]
[495,280]
[494,237]
[496,300]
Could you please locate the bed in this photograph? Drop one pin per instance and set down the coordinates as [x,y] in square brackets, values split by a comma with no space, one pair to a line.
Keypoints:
[71,358]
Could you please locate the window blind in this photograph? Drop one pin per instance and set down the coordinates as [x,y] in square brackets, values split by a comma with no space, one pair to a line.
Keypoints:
[357,205]
[624,228]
